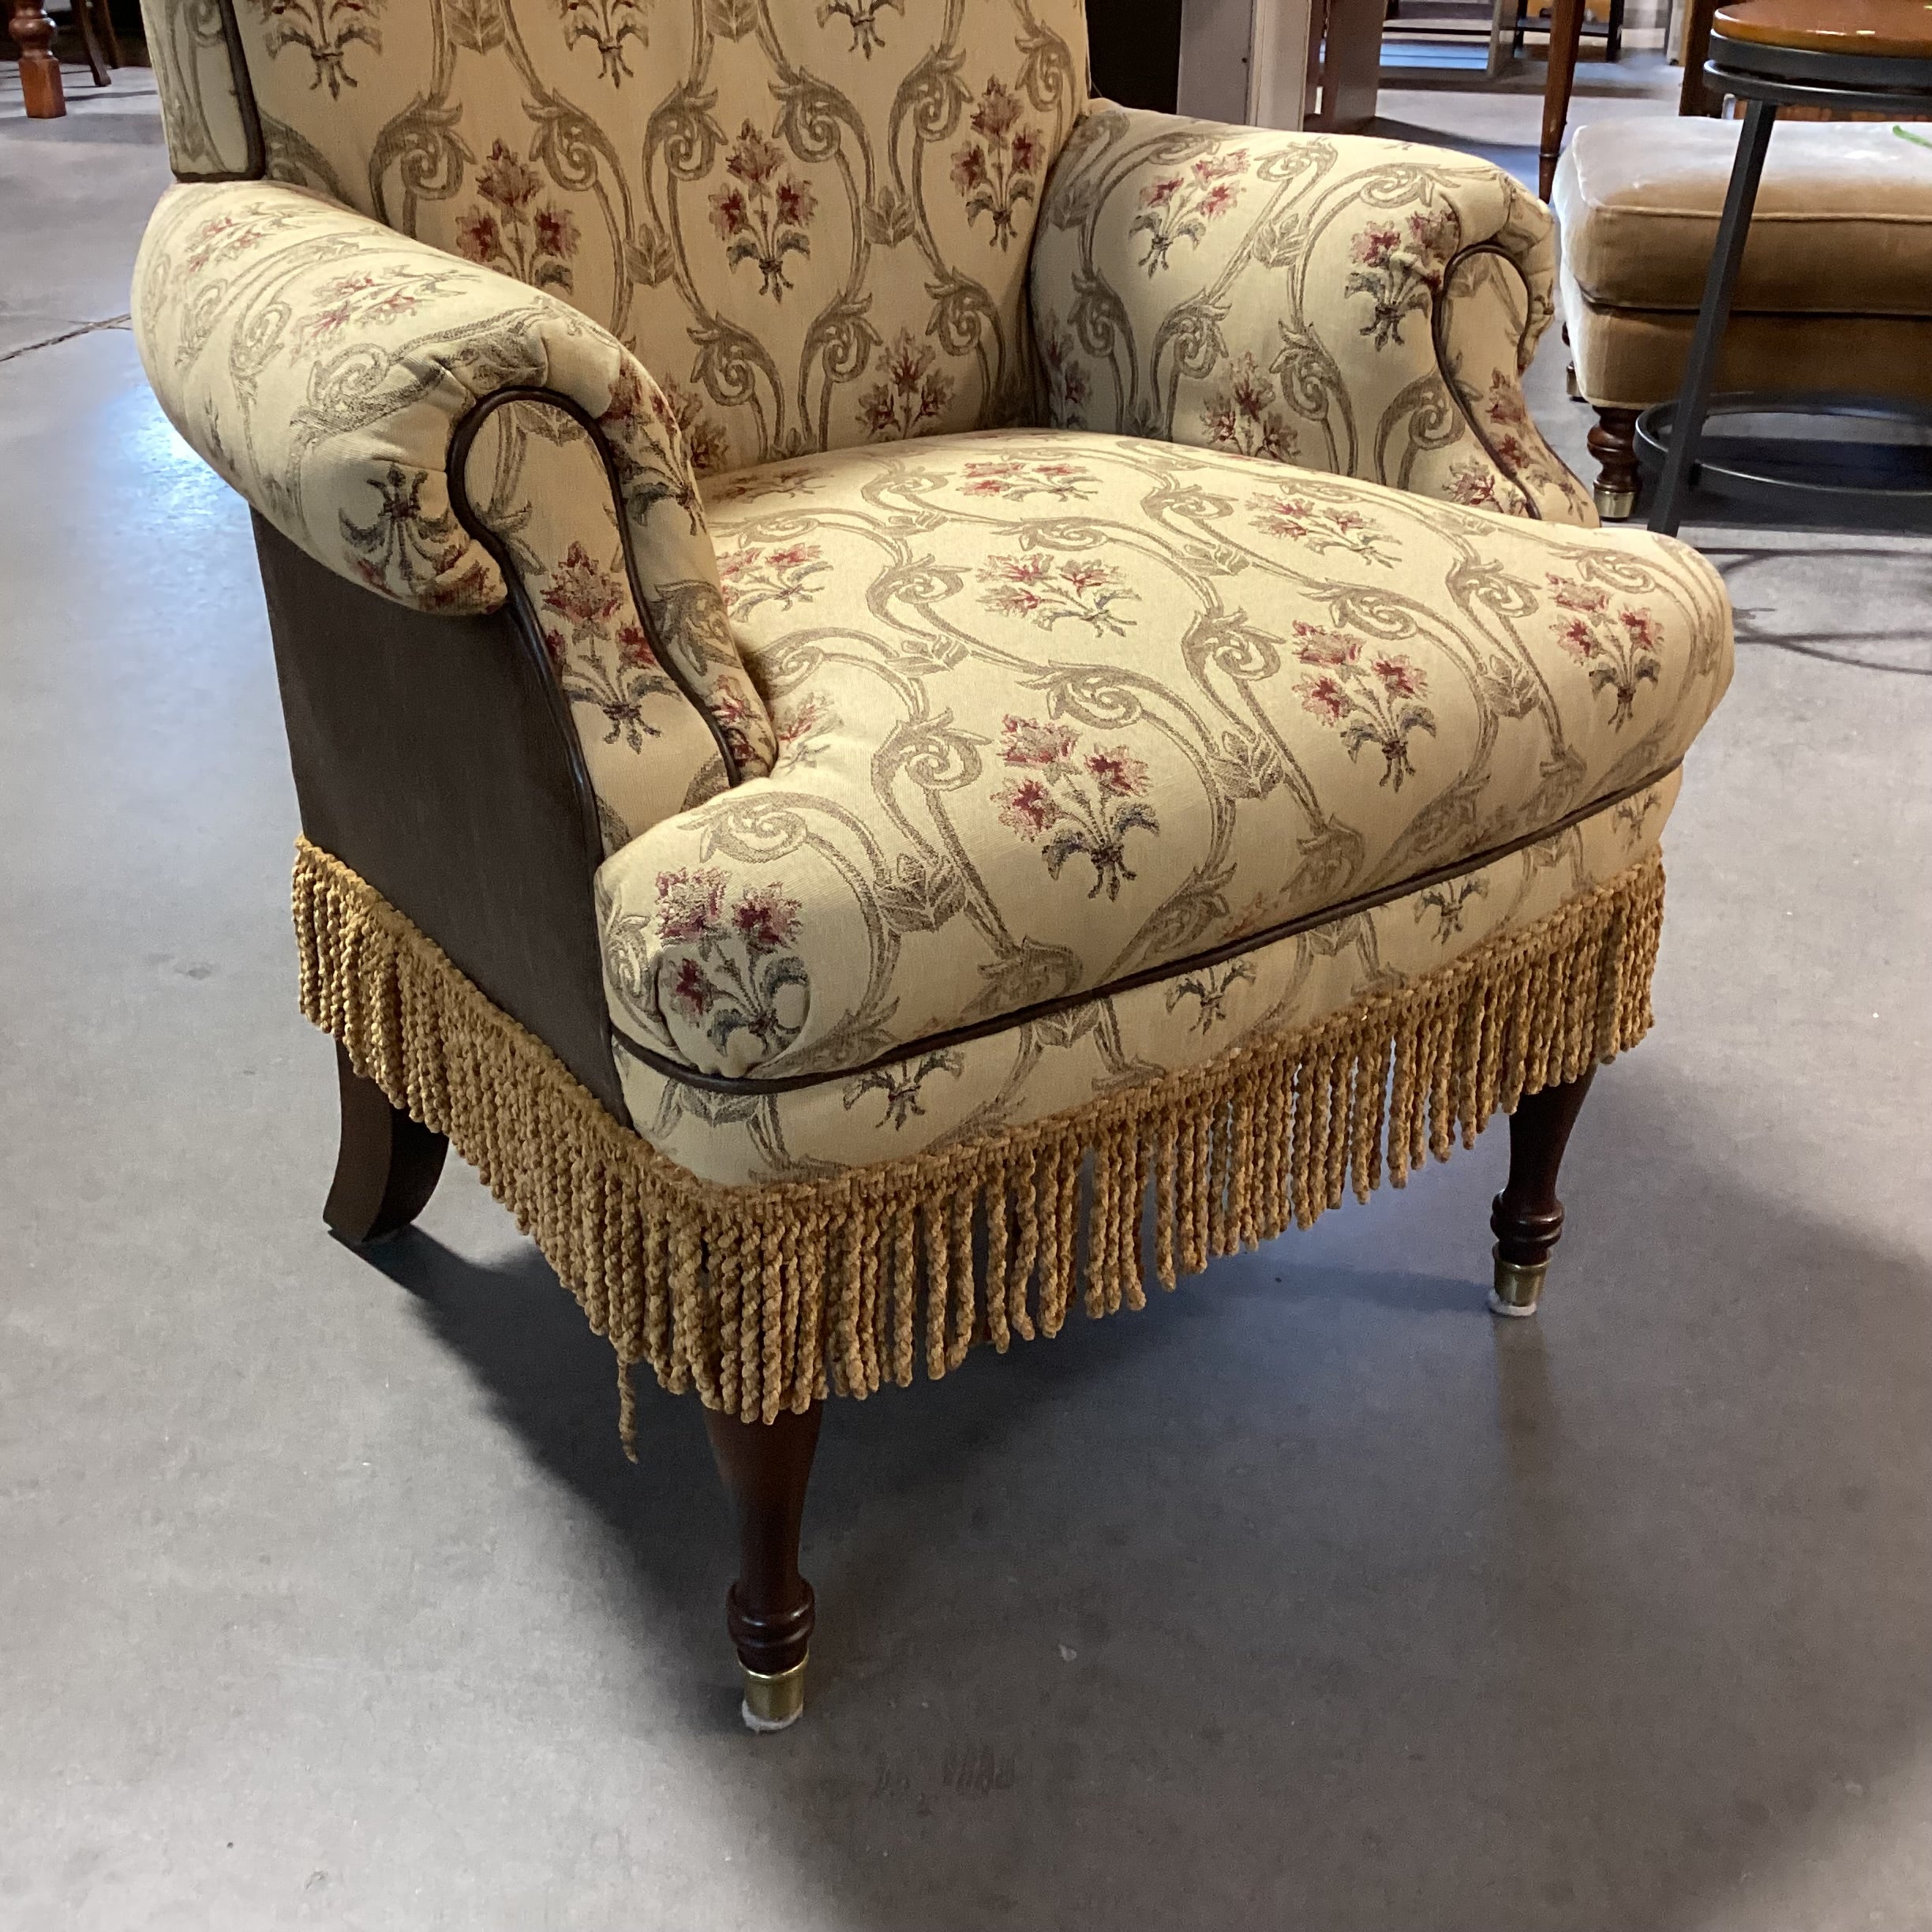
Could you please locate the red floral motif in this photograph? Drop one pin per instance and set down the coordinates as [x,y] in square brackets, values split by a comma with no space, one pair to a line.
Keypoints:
[797,731]
[742,984]
[691,904]
[1000,170]
[1068,383]
[1473,482]
[581,592]
[1028,806]
[1035,587]
[760,213]
[1179,207]
[364,300]
[1016,478]
[781,574]
[1241,415]
[1030,743]
[705,441]
[1297,518]
[1372,703]
[1081,800]
[533,244]
[764,919]
[607,25]
[615,673]
[1622,650]
[325,30]
[222,237]
[912,397]
[1400,268]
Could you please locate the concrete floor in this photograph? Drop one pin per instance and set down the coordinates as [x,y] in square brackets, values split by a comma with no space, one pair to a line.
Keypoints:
[1312,1596]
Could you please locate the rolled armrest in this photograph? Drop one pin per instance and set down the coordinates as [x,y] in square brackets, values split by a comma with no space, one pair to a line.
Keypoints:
[327,366]
[1360,306]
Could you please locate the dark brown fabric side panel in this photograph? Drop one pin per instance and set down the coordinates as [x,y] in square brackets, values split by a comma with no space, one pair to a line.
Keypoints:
[430,756]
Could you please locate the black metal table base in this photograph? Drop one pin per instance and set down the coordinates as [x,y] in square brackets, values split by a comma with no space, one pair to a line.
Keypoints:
[1848,480]
[1764,77]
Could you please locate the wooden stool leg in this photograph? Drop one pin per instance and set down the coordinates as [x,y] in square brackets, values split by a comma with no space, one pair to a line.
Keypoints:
[111,35]
[1566,33]
[90,39]
[1613,442]
[1526,1218]
[40,72]
[769,1610]
[387,1167]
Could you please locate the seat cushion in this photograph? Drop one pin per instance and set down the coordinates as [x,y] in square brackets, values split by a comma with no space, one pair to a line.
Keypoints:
[1843,224]
[1059,714]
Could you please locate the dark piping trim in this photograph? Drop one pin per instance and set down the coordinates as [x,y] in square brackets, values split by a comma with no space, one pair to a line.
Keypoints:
[1044,1010]
[1439,322]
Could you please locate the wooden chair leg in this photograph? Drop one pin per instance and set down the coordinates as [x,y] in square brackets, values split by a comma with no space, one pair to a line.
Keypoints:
[1526,1218]
[111,35]
[90,40]
[32,32]
[769,1609]
[1566,33]
[387,1167]
[1613,442]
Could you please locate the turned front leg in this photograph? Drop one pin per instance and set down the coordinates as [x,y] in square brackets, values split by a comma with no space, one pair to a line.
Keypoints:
[1526,1218]
[769,1610]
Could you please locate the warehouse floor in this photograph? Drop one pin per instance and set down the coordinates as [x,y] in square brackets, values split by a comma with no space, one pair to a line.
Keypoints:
[1311,1596]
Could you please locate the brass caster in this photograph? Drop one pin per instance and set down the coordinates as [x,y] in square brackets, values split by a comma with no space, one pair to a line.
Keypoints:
[775,1702]
[1518,1286]
[1615,506]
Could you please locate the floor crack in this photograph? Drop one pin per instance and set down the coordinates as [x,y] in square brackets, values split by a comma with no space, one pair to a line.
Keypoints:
[86,328]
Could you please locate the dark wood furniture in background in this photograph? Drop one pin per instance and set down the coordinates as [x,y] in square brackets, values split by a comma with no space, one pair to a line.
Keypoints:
[32,35]
[1136,52]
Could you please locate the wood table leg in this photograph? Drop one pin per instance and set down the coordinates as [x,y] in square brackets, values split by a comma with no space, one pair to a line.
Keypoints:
[40,72]
[1566,35]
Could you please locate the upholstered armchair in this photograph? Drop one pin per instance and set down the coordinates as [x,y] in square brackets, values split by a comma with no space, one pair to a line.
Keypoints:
[914,698]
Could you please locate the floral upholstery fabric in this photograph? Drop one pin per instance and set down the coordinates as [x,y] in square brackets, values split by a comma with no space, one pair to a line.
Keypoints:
[201,110]
[959,1089]
[810,218]
[1363,307]
[1054,711]
[320,362]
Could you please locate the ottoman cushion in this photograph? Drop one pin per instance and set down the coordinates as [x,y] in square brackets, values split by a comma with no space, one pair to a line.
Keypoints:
[1843,224]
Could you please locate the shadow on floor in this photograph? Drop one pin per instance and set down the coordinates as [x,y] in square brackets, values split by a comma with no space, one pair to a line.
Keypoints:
[1314,1587]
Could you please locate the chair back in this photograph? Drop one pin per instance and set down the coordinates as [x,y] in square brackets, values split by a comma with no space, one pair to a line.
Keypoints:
[811,219]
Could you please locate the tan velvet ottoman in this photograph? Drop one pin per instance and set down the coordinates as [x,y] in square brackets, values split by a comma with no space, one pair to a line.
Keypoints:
[1835,292]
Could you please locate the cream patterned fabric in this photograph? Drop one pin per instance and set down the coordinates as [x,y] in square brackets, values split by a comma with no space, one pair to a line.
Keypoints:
[202,114]
[1363,307]
[1055,711]
[810,217]
[957,1091]
[320,362]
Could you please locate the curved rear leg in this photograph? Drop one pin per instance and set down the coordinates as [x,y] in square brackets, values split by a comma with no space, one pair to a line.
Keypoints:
[387,1167]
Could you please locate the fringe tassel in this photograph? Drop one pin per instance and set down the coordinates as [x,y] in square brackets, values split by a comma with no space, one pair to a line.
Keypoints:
[766,1297]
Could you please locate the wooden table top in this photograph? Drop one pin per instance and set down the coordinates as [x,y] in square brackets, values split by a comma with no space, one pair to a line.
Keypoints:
[1895,29]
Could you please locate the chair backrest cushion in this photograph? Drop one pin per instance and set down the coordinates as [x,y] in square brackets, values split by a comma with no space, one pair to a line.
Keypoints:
[809,219]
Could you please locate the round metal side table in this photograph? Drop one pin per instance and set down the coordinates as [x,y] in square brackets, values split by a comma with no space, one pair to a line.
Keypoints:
[1873,55]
